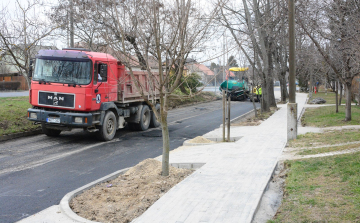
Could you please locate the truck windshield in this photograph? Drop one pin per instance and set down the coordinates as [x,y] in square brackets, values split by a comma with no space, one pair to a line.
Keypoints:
[63,71]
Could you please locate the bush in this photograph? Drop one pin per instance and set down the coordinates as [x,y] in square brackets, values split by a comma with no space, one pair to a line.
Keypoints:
[9,85]
[189,83]
[193,81]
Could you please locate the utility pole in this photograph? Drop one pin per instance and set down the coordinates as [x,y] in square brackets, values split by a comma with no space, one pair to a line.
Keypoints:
[228,114]
[224,113]
[223,95]
[71,24]
[227,90]
[224,57]
[224,92]
[311,82]
[292,106]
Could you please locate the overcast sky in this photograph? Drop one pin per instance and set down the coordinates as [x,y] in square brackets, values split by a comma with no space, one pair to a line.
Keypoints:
[212,52]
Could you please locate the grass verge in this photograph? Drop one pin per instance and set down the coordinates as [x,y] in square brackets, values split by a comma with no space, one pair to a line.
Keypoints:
[326,138]
[326,116]
[325,189]
[322,190]
[13,115]
[328,149]
[329,97]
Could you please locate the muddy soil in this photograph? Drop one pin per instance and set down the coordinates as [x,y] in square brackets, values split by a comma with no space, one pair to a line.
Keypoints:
[271,199]
[255,121]
[128,196]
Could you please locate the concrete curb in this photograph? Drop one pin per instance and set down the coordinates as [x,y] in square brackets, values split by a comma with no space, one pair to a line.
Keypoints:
[65,201]
[20,134]
[244,116]
[265,189]
[302,111]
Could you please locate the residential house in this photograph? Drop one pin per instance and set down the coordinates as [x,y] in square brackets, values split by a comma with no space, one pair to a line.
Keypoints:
[207,75]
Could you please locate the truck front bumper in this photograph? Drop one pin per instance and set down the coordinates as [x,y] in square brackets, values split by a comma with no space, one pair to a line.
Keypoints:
[56,118]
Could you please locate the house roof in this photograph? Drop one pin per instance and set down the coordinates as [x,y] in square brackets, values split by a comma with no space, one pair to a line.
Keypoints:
[200,68]
[205,69]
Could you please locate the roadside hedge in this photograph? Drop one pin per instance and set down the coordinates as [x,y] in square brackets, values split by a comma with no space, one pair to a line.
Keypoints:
[9,85]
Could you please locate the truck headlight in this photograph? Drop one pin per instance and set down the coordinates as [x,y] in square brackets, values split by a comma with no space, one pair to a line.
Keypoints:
[78,119]
[33,115]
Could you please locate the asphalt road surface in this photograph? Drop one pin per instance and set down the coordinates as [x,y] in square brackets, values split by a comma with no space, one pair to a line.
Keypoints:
[6,94]
[37,171]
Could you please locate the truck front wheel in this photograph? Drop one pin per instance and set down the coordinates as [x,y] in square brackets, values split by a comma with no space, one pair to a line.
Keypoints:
[145,117]
[50,132]
[108,129]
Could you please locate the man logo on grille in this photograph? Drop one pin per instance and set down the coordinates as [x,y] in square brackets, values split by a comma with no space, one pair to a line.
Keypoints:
[55,101]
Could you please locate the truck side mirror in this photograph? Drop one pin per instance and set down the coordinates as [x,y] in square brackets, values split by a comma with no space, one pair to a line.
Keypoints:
[95,73]
[103,72]
[30,68]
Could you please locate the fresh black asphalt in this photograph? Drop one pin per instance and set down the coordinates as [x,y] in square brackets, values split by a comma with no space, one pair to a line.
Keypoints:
[31,180]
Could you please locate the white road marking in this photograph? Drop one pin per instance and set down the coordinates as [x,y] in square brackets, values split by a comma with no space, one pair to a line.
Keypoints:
[51,158]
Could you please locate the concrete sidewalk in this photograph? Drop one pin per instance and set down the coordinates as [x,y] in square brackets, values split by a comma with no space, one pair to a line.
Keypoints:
[230,184]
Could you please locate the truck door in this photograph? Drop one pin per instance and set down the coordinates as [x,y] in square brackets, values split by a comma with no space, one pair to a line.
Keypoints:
[100,84]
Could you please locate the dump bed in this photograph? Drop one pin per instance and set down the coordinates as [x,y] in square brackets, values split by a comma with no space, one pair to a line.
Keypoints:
[127,90]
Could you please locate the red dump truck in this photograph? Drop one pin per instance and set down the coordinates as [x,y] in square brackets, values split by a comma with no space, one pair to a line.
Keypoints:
[77,88]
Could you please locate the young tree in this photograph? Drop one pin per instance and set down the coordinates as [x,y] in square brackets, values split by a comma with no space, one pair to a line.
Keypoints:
[21,32]
[166,32]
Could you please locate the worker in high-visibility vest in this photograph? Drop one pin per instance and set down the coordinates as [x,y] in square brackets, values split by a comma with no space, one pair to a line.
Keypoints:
[255,90]
[258,93]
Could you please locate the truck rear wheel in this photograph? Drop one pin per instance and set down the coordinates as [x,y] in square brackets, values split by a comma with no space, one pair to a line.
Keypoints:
[154,122]
[49,132]
[145,117]
[108,129]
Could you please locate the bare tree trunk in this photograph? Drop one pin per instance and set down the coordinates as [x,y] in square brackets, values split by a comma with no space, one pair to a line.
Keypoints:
[283,88]
[336,96]
[165,136]
[270,89]
[71,24]
[28,81]
[358,103]
[265,96]
[311,83]
[348,102]
[341,92]
[252,98]
[183,89]
[272,101]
